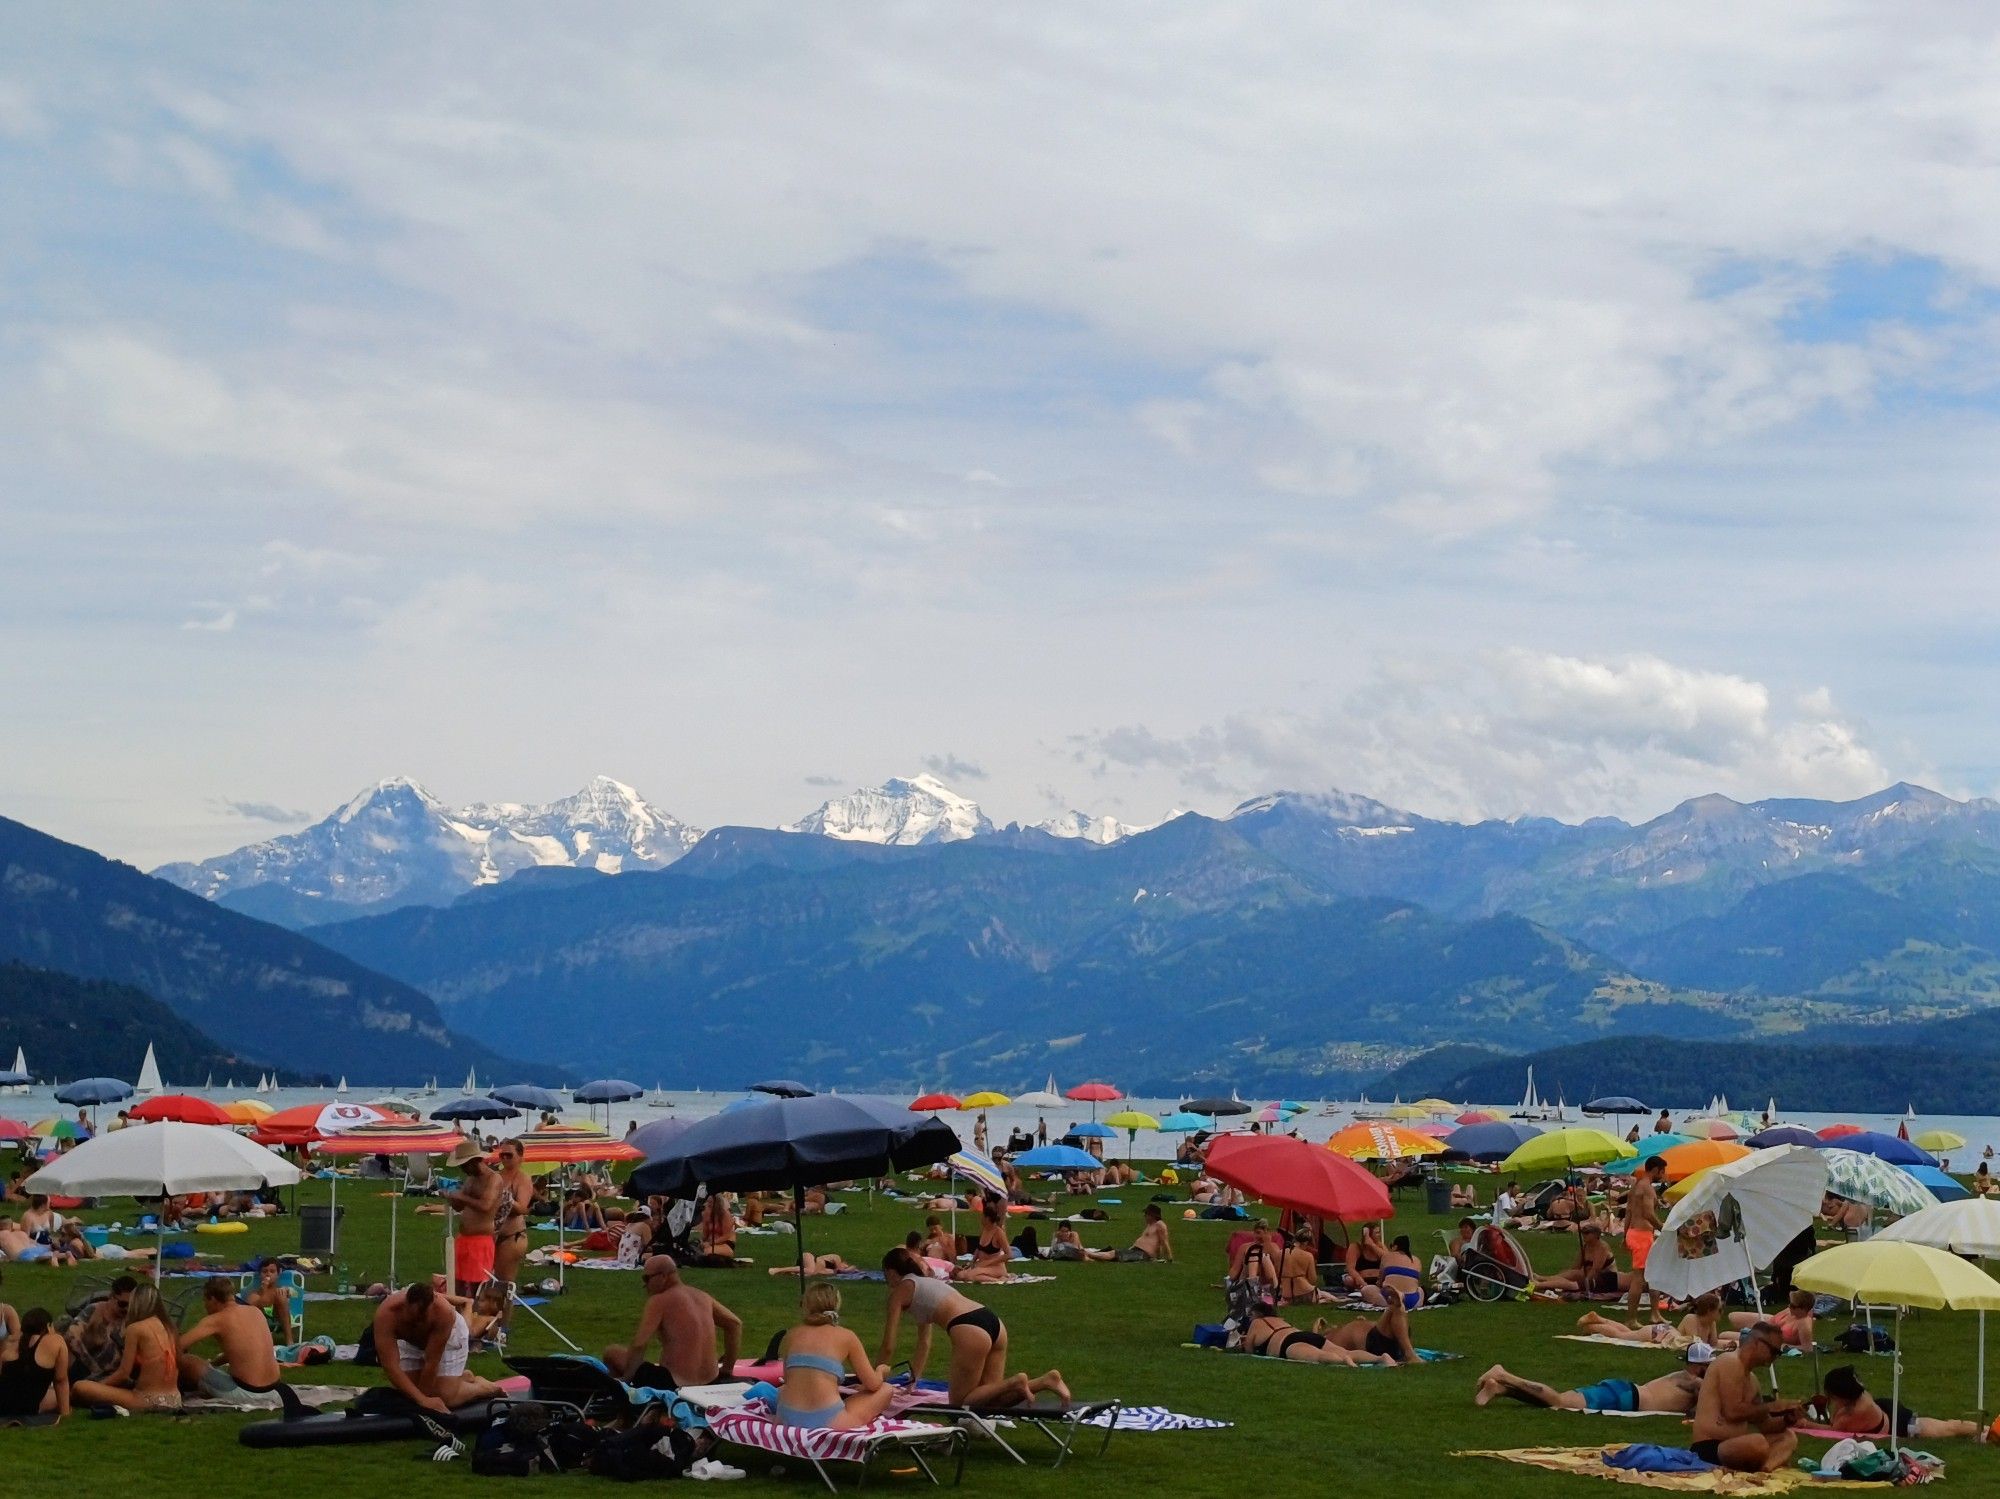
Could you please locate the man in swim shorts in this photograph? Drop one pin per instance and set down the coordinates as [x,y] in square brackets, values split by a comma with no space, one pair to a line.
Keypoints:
[1642,1222]
[1735,1425]
[1676,1392]
[472,1253]
[246,1362]
[430,1344]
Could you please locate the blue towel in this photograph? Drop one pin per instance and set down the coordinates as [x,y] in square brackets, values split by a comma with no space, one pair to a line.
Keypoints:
[1648,1457]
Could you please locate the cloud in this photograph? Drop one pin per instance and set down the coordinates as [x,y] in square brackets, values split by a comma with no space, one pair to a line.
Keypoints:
[263,812]
[949,767]
[218,622]
[1525,732]
[825,780]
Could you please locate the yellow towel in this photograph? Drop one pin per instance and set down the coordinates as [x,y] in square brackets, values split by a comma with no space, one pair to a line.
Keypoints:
[1588,1462]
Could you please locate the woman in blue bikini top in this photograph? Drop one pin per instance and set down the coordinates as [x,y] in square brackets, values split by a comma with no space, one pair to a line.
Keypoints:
[817,1354]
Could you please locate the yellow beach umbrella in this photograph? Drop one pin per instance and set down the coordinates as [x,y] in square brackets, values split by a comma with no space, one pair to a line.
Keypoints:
[1405,1111]
[1132,1119]
[1435,1105]
[985,1100]
[1562,1149]
[246,1111]
[1382,1142]
[1939,1140]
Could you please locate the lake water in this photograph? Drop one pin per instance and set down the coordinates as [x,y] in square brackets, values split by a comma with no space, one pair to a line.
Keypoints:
[1979,1132]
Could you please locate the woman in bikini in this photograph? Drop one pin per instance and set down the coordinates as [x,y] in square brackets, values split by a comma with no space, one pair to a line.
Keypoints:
[976,1336]
[148,1376]
[1298,1275]
[1387,1336]
[1271,1336]
[1795,1322]
[1401,1277]
[35,1379]
[992,1254]
[1702,1324]
[718,1231]
[817,1355]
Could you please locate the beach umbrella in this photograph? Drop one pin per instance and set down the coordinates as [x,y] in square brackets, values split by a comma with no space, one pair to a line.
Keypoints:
[1759,1203]
[167,1159]
[1288,1173]
[1405,1111]
[1711,1129]
[1132,1121]
[1478,1116]
[979,1170]
[1181,1122]
[1940,1141]
[12,1079]
[1437,1129]
[1969,1226]
[1090,1129]
[572,1144]
[1057,1158]
[1941,1183]
[305,1123]
[1616,1105]
[931,1103]
[1884,1148]
[651,1138]
[392,1104]
[796,1143]
[1491,1141]
[1863,1178]
[984,1099]
[608,1090]
[526,1096]
[1783,1134]
[183,1108]
[56,1127]
[1632,1157]
[1435,1105]
[1889,1272]
[396,1137]
[1044,1097]
[783,1087]
[1382,1142]
[1271,1114]
[1093,1092]
[1836,1131]
[1685,1160]
[1562,1150]
[1215,1108]
[86,1091]
[13,1129]
[476,1108]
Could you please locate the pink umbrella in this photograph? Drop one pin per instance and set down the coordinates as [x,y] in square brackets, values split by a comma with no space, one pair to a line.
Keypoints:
[1478,1116]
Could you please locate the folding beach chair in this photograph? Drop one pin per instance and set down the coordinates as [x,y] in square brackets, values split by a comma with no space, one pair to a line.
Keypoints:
[755,1427]
[1061,1424]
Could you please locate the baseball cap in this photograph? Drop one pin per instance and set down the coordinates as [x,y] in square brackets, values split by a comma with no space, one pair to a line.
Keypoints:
[1699,1352]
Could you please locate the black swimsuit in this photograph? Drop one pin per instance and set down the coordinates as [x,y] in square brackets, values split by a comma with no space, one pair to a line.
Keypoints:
[23,1382]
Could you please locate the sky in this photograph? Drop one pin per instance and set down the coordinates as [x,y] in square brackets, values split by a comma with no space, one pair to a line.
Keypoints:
[1557,409]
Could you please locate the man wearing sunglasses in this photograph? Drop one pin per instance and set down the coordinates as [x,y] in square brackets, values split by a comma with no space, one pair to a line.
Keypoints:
[1735,1425]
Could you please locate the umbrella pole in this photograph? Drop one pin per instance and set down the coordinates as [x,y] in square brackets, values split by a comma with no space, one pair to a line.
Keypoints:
[799,1220]
[395,1212]
[1982,1363]
[1896,1383]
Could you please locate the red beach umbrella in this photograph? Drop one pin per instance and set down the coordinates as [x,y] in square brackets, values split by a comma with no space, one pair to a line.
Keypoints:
[181,1108]
[931,1103]
[1289,1173]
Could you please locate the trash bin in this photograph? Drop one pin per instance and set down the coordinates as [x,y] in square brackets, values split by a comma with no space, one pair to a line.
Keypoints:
[1437,1195]
[319,1229]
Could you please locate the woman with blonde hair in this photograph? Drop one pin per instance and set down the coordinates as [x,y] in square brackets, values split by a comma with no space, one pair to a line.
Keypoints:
[148,1376]
[816,1354]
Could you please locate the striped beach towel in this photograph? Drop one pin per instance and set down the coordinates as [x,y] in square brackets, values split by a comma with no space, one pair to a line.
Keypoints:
[753,1426]
[1152,1418]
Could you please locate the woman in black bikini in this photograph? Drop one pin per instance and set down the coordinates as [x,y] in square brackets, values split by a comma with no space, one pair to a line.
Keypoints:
[1271,1336]
[992,1254]
[975,1334]
[1388,1335]
[36,1378]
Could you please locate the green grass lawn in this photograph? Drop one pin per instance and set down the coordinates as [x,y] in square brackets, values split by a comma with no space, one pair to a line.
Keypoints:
[1111,1329]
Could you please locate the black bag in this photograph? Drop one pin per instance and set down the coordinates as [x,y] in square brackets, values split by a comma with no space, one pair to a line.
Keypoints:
[1860,1338]
[650,1449]
[364,1350]
[531,1438]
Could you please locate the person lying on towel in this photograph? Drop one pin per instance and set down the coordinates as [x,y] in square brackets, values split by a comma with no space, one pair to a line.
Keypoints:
[1676,1393]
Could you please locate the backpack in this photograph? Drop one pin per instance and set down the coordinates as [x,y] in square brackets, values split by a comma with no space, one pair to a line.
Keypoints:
[1860,1338]
[528,1438]
[654,1446]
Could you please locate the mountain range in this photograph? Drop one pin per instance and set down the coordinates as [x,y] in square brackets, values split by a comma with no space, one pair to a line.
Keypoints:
[70,1027]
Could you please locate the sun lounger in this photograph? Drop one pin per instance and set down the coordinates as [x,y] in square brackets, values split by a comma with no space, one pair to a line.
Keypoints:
[754,1426]
[1059,1423]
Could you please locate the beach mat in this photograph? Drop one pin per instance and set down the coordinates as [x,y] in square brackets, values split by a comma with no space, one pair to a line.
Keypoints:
[1424,1356]
[1608,1342]
[318,1396]
[1588,1462]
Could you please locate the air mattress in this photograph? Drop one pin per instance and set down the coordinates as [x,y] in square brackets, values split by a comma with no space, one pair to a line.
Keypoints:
[338,1428]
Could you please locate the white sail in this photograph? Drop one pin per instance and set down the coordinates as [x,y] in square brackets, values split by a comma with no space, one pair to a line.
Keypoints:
[20,1060]
[149,1072]
[342,1086]
[208,1082]
[471,1083]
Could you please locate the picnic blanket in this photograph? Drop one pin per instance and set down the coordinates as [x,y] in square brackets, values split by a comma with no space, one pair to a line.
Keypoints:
[1424,1356]
[317,1396]
[1672,1345]
[1588,1462]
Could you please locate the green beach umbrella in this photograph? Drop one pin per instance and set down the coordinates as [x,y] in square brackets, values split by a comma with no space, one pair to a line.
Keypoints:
[1562,1149]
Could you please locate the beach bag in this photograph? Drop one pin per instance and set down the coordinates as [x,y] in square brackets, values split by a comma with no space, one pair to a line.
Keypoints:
[1860,1338]
[530,1438]
[654,1446]
[1211,1335]
[1873,1467]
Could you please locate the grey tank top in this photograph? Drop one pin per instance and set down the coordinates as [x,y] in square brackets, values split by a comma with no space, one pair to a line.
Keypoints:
[927,1297]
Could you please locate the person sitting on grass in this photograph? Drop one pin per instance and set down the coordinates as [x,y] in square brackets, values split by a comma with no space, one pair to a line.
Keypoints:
[1794,1323]
[817,1355]
[992,1254]
[976,1337]
[937,1244]
[1298,1275]
[1736,1426]
[424,1344]
[147,1377]
[1846,1405]
[1595,1273]
[1387,1336]
[246,1360]
[580,1213]
[1400,1278]
[1675,1392]
[1702,1324]
[34,1372]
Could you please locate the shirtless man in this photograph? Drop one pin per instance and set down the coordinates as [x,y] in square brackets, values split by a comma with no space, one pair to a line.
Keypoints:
[1595,1273]
[510,1218]
[1153,1242]
[423,1343]
[247,1361]
[1676,1392]
[683,1320]
[1735,1426]
[475,1200]
[1642,1222]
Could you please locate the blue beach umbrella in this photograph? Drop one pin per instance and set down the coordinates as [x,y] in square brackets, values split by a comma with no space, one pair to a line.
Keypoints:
[652,1139]
[608,1090]
[1618,1103]
[1181,1122]
[1057,1158]
[94,1090]
[1883,1147]
[1488,1142]
[783,1087]
[1652,1145]
[476,1108]
[1090,1129]
[1944,1186]
[1785,1134]
[528,1096]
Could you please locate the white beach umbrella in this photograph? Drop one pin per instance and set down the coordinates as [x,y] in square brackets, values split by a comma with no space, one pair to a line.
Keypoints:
[1863,1178]
[163,1160]
[1740,1216]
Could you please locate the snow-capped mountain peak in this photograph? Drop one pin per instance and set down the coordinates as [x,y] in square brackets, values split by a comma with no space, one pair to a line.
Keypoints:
[1098,829]
[397,844]
[901,811]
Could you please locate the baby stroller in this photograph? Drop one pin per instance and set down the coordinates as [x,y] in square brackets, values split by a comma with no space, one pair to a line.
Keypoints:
[1493,1268]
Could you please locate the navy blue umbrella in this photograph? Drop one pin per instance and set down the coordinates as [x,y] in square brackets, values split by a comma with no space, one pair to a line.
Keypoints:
[1488,1142]
[528,1096]
[783,1087]
[1616,1104]
[1216,1107]
[1785,1134]
[476,1108]
[1882,1147]
[1057,1158]
[89,1090]
[607,1090]
[795,1143]
[653,1139]
[12,1079]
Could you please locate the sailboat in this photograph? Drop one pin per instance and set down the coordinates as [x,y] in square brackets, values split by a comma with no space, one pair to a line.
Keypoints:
[208,1082]
[658,1099]
[471,1082]
[20,1066]
[342,1086]
[149,1073]
[1530,1105]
